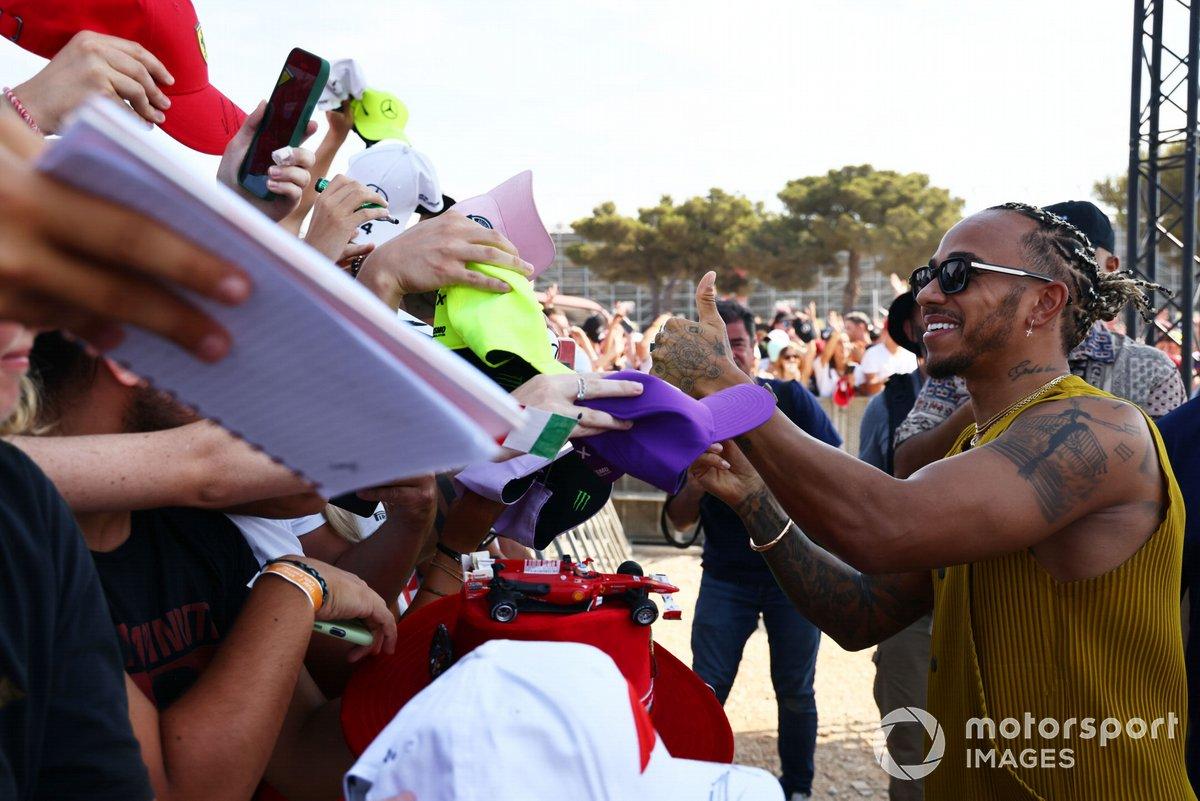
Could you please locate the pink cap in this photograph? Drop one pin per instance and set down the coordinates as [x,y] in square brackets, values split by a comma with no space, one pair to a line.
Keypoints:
[509,209]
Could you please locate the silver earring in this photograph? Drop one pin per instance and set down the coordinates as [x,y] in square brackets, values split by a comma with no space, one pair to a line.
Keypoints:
[1029,330]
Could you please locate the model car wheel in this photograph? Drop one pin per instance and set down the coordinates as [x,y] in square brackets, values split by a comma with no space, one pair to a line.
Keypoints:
[630,568]
[505,611]
[645,613]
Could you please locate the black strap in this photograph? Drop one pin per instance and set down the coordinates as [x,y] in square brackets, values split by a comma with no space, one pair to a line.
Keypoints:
[899,395]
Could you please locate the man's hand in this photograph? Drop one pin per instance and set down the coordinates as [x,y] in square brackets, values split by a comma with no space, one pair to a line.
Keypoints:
[724,471]
[287,180]
[695,356]
[434,253]
[94,63]
[72,261]
[350,598]
[558,393]
[337,212]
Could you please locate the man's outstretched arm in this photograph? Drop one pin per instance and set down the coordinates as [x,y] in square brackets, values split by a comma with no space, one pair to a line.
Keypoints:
[1037,478]
[856,609]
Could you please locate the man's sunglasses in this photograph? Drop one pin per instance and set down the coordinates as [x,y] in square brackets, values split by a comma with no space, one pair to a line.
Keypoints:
[954,274]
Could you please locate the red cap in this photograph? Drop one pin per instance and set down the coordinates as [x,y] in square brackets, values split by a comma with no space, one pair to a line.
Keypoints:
[683,709]
[200,117]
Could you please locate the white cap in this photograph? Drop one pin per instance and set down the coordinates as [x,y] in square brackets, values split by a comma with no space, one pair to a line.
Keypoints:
[404,177]
[777,340]
[502,725]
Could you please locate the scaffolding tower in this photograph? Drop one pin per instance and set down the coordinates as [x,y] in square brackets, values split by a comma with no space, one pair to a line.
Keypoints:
[1161,201]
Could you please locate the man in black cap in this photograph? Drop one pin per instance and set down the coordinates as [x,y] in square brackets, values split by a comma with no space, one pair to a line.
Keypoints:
[1105,359]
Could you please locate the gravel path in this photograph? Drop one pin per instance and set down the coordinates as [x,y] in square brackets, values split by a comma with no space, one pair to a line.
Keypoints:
[845,763]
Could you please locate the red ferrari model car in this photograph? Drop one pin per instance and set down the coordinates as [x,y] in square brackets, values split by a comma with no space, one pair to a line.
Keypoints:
[564,586]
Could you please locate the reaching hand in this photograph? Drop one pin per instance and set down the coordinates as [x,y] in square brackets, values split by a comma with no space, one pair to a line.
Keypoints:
[725,472]
[341,122]
[350,598]
[72,261]
[696,356]
[338,212]
[286,180]
[351,252]
[414,497]
[558,393]
[434,253]
[95,63]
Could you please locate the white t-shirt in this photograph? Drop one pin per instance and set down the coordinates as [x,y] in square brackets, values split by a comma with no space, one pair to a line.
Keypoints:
[883,364]
[826,377]
[270,539]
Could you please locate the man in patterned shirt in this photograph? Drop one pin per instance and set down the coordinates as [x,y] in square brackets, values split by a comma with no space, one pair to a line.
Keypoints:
[1105,359]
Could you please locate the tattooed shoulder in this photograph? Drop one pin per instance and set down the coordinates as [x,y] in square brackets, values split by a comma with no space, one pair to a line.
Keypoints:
[1067,450]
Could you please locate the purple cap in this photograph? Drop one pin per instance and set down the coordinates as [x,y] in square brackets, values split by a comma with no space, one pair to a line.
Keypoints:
[670,429]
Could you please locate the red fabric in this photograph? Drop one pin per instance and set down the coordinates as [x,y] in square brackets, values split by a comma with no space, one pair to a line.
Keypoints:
[685,711]
[200,116]
[645,730]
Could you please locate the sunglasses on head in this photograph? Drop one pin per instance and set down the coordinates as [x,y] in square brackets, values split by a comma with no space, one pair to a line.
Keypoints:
[954,274]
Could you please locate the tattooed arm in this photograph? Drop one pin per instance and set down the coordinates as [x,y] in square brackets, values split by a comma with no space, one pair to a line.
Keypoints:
[1061,462]
[856,609]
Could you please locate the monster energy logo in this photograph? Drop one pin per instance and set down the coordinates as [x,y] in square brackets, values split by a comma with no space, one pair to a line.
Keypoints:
[581,500]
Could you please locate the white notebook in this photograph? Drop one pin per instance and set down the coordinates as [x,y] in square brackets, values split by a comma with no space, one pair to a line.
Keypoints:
[323,376]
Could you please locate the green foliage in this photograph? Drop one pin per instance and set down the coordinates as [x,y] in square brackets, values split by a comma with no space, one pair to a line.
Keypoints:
[831,222]
[666,243]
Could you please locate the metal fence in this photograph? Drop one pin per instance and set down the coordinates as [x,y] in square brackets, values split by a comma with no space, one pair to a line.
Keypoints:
[602,539]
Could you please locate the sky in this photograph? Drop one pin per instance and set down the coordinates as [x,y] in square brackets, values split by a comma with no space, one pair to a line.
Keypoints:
[626,101]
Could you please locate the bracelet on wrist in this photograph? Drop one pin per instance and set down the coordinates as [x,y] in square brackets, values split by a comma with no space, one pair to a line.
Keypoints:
[456,575]
[446,550]
[311,571]
[768,546]
[22,112]
[297,578]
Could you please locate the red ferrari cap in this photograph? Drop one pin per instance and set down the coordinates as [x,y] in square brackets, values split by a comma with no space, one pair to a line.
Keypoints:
[684,710]
[200,116]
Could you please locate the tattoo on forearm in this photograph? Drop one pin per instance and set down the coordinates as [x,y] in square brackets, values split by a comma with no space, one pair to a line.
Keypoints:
[1060,456]
[1027,367]
[855,609]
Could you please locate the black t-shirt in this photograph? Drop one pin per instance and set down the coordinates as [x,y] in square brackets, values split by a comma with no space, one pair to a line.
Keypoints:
[727,553]
[64,715]
[174,590]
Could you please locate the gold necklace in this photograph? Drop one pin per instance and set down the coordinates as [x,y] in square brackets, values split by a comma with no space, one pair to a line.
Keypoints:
[1020,404]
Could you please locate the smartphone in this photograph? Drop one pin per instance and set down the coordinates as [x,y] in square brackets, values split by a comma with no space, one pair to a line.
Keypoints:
[286,118]
[349,630]
[566,352]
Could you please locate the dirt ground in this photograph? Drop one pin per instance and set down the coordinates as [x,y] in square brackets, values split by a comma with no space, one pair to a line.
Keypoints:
[845,763]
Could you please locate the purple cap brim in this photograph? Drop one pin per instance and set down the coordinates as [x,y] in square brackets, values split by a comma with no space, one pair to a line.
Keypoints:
[739,409]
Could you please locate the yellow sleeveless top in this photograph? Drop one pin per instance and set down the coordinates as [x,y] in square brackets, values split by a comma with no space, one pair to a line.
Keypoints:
[1014,645]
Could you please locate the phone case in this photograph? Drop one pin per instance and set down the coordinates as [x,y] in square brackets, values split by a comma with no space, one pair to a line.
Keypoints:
[301,125]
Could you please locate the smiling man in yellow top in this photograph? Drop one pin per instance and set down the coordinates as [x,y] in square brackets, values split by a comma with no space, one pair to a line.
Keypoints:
[1048,544]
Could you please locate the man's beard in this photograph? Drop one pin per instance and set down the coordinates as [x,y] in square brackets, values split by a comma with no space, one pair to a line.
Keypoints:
[151,410]
[991,334]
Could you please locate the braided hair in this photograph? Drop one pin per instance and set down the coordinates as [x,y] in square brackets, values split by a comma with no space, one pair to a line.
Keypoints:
[1060,249]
